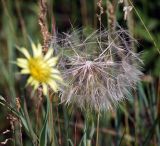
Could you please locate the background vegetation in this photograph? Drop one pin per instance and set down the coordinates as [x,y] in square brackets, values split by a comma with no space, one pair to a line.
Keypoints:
[134,122]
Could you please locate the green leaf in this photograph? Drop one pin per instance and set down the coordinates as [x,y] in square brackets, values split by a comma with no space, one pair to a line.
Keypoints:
[122,138]
[157,67]
[24,123]
[151,132]
[70,142]
[84,139]
[43,134]
[2,98]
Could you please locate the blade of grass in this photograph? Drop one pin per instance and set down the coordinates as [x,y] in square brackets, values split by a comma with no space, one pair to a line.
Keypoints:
[43,133]
[151,132]
[149,34]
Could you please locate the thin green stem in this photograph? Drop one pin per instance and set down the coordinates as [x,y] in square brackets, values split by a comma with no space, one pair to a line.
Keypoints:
[151,37]
[31,132]
[97,133]
[50,124]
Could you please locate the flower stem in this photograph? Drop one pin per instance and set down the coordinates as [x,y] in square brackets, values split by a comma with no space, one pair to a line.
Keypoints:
[97,133]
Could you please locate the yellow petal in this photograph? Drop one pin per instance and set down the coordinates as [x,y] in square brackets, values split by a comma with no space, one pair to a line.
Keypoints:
[34,49]
[30,80]
[53,85]
[35,84]
[39,50]
[25,52]
[44,88]
[22,61]
[22,65]
[49,54]
[53,61]
[57,77]
[55,71]
[25,71]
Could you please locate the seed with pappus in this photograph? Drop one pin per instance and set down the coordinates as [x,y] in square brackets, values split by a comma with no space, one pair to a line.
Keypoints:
[101,68]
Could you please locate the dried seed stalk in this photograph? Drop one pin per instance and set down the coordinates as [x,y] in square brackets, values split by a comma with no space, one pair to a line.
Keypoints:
[43,24]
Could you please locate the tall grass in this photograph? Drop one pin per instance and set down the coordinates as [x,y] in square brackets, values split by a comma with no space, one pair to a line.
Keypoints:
[31,118]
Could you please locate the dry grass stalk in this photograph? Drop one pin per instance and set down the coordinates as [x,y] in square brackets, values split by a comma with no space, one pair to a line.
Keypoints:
[43,25]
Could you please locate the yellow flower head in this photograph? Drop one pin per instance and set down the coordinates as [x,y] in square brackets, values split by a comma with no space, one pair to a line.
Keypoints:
[40,68]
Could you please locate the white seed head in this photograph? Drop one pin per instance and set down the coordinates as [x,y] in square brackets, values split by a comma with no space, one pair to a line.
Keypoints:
[100,68]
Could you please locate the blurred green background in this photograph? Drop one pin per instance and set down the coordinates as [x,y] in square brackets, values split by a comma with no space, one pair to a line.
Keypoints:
[135,122]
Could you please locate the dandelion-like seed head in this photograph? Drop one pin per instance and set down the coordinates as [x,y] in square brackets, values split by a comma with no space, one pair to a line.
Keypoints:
[40,68]
[101,68]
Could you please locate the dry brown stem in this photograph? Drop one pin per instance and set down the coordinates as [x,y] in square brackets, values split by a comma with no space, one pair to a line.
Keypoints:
[43,24]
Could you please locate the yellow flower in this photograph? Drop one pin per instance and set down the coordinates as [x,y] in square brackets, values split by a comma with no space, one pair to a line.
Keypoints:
[40,68]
